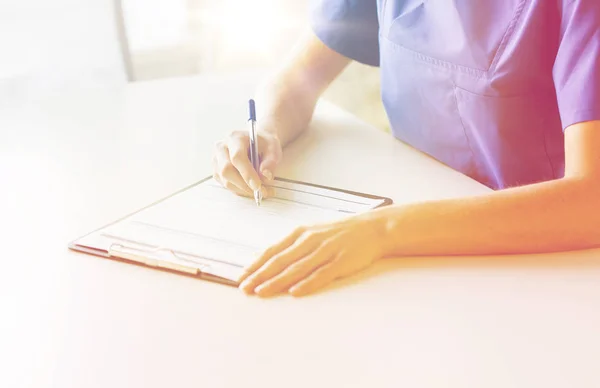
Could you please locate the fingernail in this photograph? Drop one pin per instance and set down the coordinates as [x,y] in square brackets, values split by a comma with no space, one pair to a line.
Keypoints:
[264,291]
[270,192]
[295,291]
[254,185]
[247,285]
[267,174]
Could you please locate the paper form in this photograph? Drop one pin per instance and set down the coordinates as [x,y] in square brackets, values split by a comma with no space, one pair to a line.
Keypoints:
[209,222]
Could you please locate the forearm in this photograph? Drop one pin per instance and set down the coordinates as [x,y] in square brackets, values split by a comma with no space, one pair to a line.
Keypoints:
[552,216]
[290,95]
[283,110]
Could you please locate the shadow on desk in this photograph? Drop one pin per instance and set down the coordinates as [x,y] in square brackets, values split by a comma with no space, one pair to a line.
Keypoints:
[544,262]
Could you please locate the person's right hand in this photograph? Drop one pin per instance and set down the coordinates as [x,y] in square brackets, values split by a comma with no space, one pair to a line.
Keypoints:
[232,167]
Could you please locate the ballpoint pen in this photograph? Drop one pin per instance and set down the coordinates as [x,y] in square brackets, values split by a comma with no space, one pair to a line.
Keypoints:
[254,158]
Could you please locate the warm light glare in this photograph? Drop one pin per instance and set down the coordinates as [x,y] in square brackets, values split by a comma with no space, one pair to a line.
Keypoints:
[247,27]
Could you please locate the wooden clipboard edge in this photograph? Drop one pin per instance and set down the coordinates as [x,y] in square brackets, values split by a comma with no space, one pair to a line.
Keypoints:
[104,254]
[74,246]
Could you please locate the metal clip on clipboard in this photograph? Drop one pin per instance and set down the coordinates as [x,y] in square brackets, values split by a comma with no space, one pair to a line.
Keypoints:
[157,257]
[169,259]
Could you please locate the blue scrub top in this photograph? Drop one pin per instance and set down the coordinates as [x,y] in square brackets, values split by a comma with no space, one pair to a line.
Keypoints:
[484,86]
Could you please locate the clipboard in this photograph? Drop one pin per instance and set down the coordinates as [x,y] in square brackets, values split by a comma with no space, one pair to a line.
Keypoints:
[120,240]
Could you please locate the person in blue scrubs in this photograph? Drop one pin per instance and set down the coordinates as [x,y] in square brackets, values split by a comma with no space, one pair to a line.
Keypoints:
[506,92]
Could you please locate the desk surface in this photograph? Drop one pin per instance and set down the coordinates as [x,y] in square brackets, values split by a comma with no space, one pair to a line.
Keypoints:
[72,163]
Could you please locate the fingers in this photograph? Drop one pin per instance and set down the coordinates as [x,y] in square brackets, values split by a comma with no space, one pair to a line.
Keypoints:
[304,262]
[319,278]
[271,157]
[230,186]
[238,154]
[295,272]
[252,276]
[279,262]
[234,170]
[270,252]
[227,174]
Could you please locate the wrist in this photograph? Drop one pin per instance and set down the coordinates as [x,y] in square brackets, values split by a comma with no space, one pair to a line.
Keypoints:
[284,108]
[268,127]
[381,223]
[272,117]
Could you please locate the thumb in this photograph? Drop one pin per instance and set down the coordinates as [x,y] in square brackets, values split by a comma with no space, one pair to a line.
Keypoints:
[269,162]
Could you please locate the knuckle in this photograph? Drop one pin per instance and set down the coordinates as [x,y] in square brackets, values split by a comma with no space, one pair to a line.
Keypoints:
[236,138]
[238,157]
[326,271]
[227,168]
[299,230]
[274,265]
[310,237]
[269,252]
[333,269]
[220,145]
[238,134]
[300,267]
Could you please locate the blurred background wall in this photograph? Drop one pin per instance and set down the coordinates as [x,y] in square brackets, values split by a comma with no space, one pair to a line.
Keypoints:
[49,45]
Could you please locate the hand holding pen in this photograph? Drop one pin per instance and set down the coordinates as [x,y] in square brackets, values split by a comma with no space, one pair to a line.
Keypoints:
[253,149]
[233,167]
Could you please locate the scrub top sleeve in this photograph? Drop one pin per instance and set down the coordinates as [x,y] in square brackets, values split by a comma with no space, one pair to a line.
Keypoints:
[577,65]
[349,27]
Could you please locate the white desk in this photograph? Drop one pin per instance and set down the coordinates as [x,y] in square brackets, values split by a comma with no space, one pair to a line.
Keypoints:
[79,161]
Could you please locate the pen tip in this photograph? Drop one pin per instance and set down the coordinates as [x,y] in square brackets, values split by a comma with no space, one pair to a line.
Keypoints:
[257,197]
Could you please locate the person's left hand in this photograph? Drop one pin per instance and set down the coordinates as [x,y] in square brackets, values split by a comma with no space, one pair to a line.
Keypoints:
[312,257]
